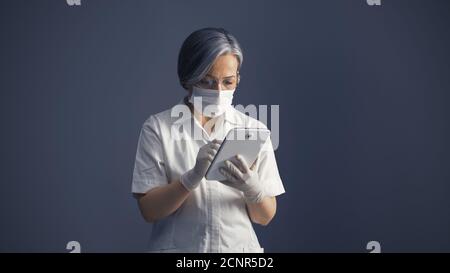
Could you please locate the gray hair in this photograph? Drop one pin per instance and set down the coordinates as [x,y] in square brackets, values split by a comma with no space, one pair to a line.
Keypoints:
[200,49]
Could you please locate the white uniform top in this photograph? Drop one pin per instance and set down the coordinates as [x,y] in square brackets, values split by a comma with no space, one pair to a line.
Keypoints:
[213,218]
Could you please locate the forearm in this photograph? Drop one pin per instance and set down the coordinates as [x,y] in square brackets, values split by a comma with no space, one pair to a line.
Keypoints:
[162,201]
[263,212]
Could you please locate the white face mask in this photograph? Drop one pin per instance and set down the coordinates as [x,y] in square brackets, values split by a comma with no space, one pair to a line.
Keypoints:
[211,103]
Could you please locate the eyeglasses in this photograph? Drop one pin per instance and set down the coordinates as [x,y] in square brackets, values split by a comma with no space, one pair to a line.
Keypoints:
[226,83]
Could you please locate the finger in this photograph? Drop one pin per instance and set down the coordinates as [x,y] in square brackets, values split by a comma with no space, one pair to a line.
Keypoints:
[237,164]
[217,141]
[212,152]
[254,164]
[210,157]
[229,183]
[242,164]
[231,167]
[215,146]
[228,175]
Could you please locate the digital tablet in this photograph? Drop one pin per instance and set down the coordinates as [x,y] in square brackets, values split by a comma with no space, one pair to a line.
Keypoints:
[246,142]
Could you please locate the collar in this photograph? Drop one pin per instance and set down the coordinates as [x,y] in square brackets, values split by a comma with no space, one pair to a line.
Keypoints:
[230,116]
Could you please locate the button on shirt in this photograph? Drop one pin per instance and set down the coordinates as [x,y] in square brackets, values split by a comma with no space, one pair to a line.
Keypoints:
[214,217]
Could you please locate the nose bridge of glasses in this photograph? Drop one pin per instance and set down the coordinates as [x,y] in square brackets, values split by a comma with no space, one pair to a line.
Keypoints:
[218,84]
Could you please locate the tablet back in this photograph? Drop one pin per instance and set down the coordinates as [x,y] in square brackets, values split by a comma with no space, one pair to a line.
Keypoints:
[247,142]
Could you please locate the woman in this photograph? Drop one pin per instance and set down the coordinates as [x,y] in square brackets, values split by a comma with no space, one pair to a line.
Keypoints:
[188,212]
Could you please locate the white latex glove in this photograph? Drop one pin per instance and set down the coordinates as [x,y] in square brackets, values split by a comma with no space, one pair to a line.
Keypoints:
[192,178]
[243,178]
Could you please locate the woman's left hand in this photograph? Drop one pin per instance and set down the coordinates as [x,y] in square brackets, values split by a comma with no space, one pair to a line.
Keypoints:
[243,178]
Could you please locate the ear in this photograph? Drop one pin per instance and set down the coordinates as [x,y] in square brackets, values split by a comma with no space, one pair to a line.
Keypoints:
[238,77]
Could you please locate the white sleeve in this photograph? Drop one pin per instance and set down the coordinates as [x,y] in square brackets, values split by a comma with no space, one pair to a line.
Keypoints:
[268,171]
[149,168]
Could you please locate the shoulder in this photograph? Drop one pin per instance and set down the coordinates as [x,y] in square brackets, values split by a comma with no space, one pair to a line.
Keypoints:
[165,119]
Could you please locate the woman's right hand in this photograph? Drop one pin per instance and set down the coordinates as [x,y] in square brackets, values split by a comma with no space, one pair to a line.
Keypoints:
[192,178]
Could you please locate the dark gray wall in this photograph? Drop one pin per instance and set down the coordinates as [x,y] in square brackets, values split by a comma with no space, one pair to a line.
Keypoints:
[363,93]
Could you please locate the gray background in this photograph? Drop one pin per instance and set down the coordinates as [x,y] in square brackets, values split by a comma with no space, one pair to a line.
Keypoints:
[363,93]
